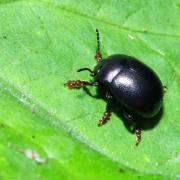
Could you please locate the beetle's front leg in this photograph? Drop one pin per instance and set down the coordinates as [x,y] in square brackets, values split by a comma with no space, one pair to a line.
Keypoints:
[79,83]
[107,114]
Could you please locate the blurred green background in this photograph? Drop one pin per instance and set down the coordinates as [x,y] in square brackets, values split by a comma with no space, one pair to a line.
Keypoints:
[50,132]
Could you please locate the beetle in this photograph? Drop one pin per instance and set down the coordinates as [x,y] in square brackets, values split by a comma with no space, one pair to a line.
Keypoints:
[134,85]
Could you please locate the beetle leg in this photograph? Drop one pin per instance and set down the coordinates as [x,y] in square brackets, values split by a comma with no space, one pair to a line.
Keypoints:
[138,136]
[78,83]
[98,55]
[107,114]
[164,89]
[137,130]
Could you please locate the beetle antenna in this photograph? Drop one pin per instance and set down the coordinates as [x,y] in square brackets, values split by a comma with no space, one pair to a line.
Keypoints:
[85,69]
[98,40]
[98,55]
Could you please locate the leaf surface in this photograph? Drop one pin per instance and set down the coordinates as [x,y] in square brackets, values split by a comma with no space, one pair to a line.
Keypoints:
[42,45]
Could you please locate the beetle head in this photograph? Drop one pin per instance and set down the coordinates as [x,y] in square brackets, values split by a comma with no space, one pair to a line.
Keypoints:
[98,68]
[94,72]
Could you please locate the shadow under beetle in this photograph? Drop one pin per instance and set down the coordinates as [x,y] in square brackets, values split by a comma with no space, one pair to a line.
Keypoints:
[131,83]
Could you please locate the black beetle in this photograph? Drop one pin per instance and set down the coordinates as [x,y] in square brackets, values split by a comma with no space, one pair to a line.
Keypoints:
[131,83]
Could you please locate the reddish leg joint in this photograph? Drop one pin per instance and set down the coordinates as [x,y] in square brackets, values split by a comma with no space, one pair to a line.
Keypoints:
[105,117]
[75,84]
[98,56]
[138,136]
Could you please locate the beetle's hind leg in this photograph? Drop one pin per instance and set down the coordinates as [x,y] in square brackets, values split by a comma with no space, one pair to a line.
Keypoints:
[107,114]
[98,55]
[164,88]
[136,129]
[79,83]
[138,135]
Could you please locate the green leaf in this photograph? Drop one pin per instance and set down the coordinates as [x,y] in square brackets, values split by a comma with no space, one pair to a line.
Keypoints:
[48,131]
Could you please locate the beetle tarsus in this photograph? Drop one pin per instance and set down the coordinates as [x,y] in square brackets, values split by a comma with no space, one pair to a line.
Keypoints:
[74,84]
[105,117]
[107,114]
[138,136]
[78,83]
